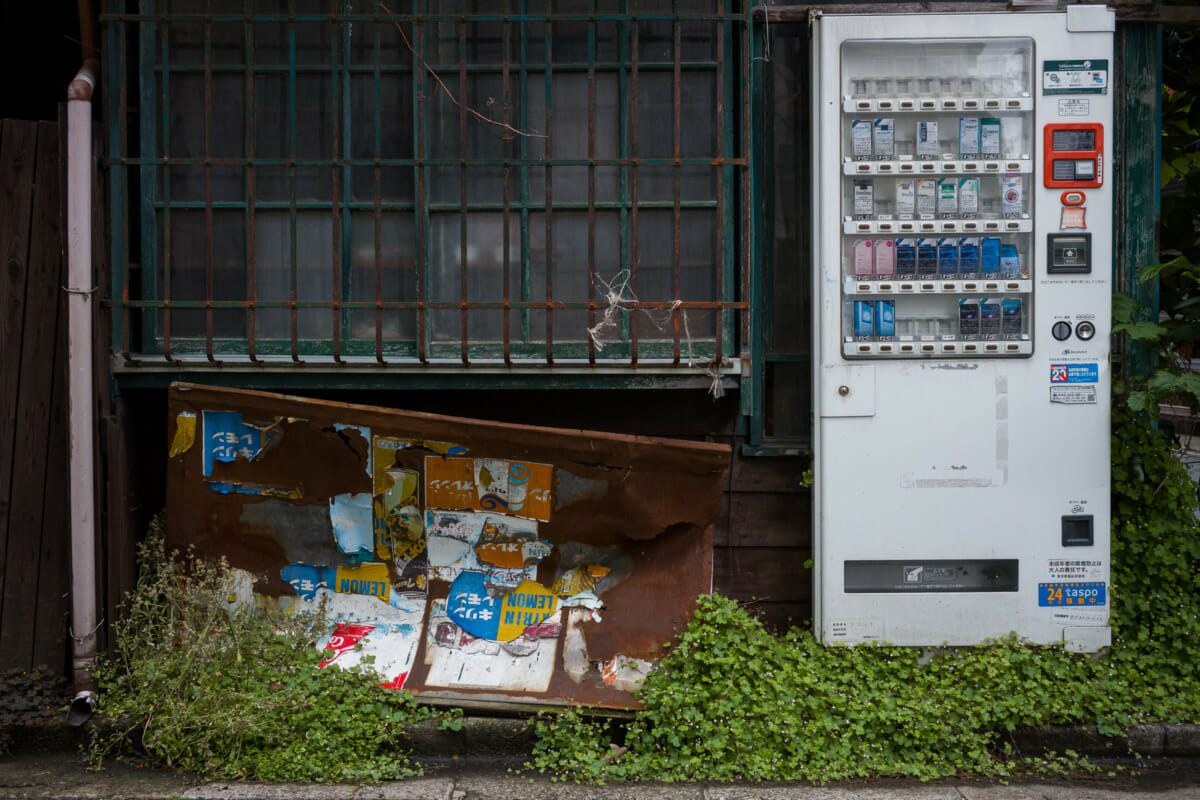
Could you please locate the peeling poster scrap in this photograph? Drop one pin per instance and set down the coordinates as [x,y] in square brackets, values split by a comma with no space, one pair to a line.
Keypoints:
[498,618]
[185,433]
[353,521]
[227,438]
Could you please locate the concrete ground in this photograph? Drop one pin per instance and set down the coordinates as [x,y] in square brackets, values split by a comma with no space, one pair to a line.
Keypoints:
[487,766]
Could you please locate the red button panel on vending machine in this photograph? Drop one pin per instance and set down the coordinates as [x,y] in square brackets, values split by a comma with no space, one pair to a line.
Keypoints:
[1074,155]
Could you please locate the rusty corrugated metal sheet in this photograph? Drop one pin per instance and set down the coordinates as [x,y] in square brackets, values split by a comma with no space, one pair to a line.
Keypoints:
[461,551]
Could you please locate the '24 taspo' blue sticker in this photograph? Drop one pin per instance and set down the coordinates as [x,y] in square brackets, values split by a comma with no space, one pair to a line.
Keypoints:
[1082,593]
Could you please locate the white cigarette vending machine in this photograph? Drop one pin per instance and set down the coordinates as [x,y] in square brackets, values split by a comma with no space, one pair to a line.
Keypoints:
[962,262]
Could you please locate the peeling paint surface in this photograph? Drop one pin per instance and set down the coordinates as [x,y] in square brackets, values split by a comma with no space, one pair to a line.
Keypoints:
[466,560]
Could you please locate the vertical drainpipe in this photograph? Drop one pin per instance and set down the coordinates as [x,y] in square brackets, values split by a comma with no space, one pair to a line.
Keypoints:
[80,290]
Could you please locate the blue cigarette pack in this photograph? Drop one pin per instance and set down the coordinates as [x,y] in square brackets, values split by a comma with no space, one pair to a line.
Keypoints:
[1011,323]
[968,255]
[989,317]
[968,317]
[864,318]
[885,318]
[947,256]
[927,257]
[1010,261]
[989,256]
[906,257]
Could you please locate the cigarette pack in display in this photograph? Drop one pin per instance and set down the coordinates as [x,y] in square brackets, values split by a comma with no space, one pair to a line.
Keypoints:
[860,139]
[906,198]
[968,137]
[864,318]
[864,198]
[1012,199]
[864,262]
[989,256]
[968,198]
[927,257]
[1010,261]
[1011,323]
[989,318]
[989,137]
[968,317]
[927,140]
[947,203]
[947,255]
[906,257]
[885,257]
[926,197]
[968,255]
[885,318]
[885,139]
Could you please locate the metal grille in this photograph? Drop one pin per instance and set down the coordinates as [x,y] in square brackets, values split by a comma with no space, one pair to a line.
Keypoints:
[444,182]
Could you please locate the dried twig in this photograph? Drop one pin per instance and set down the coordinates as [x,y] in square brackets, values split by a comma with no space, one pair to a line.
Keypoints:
[479,116]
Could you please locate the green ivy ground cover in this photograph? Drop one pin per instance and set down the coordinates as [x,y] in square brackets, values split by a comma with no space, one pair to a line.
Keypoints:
[732,700]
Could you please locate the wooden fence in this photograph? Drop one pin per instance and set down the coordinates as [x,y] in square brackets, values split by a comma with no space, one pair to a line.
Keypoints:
[34,479]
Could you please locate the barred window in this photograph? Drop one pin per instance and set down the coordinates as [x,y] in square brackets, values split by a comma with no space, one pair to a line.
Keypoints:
[437,181]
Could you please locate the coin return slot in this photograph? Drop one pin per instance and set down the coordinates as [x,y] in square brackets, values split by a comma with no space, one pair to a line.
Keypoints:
[992,348]
[927,348]
[906,348]
[1013,348]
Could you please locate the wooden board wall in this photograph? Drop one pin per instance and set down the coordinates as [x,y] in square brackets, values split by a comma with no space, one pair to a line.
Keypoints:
[34,479]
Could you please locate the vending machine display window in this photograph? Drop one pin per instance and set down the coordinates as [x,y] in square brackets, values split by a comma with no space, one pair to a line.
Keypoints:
[937,152]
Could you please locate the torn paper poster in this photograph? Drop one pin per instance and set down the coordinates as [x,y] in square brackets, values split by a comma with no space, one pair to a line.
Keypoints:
[353,521]
[228,438]
[474,663]
[362,431]
[459,541]
[581,578]
[383,649]
[575,658]
[499,618]
[185,433]
[369,579]
[449,483]
[586,599]
[237,487]
[513,487]
[399,527]
[625,674]
[513,554]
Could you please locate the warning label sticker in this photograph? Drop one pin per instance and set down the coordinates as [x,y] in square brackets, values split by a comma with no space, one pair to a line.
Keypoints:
[1075,373]
[1073,395]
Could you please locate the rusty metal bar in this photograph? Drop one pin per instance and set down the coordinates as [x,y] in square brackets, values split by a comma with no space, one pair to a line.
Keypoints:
[208,198]
[462,196]
[377,175]
[591,211]
[548,87]
[633,191]
[293,323]
[676,170]
[340,148]
[122,138]
[165,94]
[722,234]
[422,207]
[506,215]
[251,197]
[747,199]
